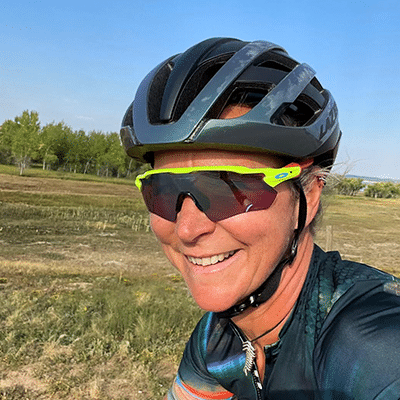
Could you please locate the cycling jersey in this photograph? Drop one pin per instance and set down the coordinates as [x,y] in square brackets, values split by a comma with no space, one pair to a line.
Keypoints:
[342,342]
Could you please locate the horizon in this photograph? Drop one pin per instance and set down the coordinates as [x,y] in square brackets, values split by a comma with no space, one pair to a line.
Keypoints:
[373,179]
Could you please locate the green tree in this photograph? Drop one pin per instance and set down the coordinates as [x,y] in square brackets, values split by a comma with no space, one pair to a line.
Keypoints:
[350,186]
[383,190]
[56,145]
[98,148]
[85,153]
[115,158]
[5,142]
[78,154]
[63,145]
[49,138]
[25,138]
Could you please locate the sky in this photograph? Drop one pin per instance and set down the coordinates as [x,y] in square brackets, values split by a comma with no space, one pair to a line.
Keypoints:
[81,61]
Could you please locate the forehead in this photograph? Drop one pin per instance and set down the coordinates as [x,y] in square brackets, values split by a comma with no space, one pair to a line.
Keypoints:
[196,158]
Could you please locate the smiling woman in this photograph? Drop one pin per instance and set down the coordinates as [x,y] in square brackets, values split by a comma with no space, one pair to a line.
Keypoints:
[194,235]
[241,137]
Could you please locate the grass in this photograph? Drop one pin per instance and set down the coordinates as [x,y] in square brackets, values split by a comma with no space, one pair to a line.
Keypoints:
[91,309]
[74,330]
[364,230]
[38,172]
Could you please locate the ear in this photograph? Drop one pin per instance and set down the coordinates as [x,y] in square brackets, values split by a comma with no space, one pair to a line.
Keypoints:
[313,195]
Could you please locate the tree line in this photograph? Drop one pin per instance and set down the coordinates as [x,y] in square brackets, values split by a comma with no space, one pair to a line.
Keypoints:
[352,186]
[56,146]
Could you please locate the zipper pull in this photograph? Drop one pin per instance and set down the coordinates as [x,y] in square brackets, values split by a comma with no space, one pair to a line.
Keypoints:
[250,356]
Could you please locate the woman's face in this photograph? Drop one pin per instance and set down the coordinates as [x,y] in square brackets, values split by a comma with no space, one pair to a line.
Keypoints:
[224,261]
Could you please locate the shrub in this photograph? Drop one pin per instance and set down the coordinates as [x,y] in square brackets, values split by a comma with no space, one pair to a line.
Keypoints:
[383,190]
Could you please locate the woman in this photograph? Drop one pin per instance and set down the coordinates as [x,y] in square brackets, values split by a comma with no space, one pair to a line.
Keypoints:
[241,137]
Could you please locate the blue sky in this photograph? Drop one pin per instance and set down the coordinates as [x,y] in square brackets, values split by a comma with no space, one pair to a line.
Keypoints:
[81,61]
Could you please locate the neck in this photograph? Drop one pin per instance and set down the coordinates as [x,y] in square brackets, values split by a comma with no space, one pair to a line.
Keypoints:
[271,316]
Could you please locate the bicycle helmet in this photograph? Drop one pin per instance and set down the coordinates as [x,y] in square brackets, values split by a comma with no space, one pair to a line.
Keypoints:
[178,106]
[178,103]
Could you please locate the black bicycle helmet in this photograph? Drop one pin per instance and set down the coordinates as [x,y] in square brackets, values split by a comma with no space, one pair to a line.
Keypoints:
[178,104]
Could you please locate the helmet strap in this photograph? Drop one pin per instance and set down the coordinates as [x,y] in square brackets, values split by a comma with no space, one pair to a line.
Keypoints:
[271,284]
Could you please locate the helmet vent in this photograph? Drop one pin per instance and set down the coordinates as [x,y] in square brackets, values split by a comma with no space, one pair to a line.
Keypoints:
[196,83]
[302,112]
[156,92]
[276,60]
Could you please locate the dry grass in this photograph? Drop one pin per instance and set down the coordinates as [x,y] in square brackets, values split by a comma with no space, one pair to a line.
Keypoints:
[61,186]
[365,230]
[88,299]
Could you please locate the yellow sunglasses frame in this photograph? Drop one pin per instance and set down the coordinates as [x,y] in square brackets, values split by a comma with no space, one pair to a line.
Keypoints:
[272,176]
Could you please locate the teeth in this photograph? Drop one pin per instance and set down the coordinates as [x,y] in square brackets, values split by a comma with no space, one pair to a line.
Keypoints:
[210,260]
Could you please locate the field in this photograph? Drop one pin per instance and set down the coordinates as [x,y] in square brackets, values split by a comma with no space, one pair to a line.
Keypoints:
[91,309]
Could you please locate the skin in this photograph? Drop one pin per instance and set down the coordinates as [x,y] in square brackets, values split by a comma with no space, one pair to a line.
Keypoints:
[259,239]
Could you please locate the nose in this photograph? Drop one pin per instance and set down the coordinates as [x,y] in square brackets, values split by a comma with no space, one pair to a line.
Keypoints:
[191,223]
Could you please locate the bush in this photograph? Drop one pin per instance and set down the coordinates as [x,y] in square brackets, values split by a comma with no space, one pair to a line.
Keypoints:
[350,186]
[383,190]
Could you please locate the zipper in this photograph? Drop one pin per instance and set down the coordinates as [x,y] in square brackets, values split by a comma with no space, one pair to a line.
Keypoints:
[257,381]
[254,371]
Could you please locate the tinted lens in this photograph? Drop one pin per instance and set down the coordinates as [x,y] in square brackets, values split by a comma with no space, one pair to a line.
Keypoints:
[235,194]
[219,194]
[159,196]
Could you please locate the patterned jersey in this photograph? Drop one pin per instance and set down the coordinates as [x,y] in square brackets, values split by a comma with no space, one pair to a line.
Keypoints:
[341,342]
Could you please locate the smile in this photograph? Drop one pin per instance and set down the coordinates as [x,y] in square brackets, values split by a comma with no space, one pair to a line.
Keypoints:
[210,260]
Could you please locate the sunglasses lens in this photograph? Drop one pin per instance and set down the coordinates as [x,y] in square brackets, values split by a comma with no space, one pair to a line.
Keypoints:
[159,196]
[236,194]
[219,194]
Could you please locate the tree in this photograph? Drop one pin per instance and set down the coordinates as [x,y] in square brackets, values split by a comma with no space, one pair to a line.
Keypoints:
[25,138]
[79,151]
[85,153]
[49,139]
[5,141]
[98,148]
[350,186]
[56,145]
[63,144]
[383,190]
[115,157]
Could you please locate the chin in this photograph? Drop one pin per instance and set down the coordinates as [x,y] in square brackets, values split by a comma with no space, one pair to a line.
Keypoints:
[212,301]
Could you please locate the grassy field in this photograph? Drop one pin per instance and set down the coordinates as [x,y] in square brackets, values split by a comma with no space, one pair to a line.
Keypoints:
[364,229]
[91,309]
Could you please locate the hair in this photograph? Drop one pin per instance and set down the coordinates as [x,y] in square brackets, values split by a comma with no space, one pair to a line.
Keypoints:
[306,179]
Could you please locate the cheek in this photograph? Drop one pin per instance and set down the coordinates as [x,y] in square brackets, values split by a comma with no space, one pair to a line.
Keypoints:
[261,234]
[266,226]
[162,228]
[164,231]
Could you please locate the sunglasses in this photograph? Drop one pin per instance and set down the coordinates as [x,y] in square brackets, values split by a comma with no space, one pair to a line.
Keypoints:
[218,191]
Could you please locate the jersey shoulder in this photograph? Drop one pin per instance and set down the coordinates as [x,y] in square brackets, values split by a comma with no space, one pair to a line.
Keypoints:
[334,277]
[357,348]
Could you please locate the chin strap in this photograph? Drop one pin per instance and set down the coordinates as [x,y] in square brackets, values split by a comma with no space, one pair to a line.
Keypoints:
[268,288]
